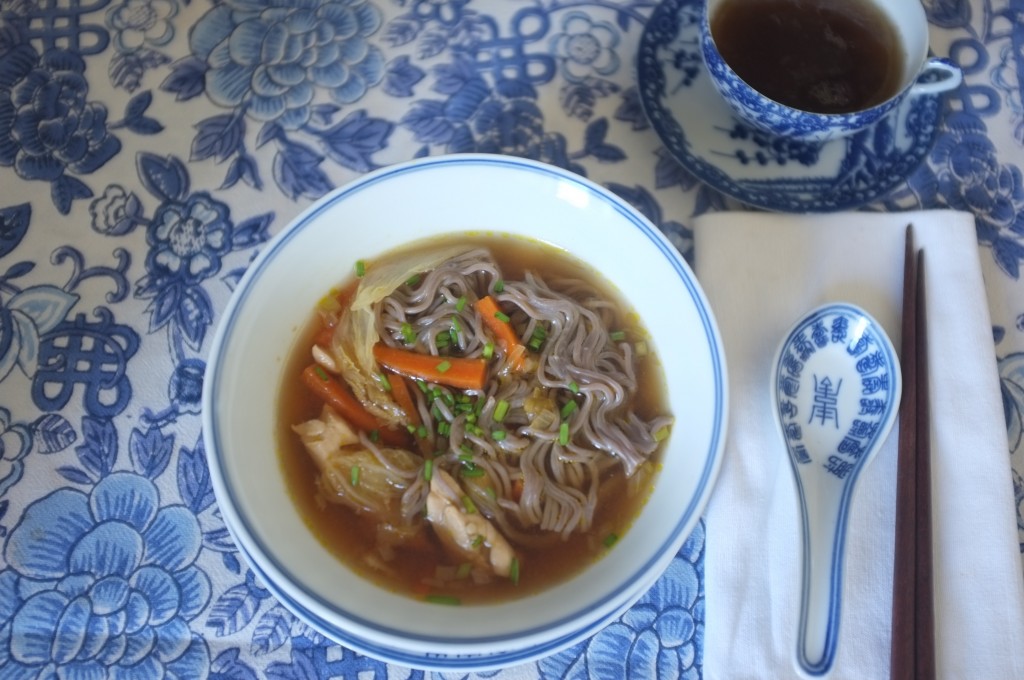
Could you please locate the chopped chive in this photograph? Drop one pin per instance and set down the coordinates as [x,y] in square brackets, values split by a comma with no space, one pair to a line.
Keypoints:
[569,408]
[563,434]
[488,349]
[573,387]
[661,434]
[428,469]
[453,336]
[354,475]
[421,432]
[502,316]
[472,472]
[422,384]
[513,571]
[412,280]
[610,540]
[617,335]
[463,570]
[384,381]
[498,435]
[442,340]
[499,286]
[444,599]
[360,268]
[374,436]
[321,373]
[443,366]
[469,505]
[491,493]
[467,453]
[478,541]
[446,397]
[456,326]
[500,411]
[407,333]
[411,428]
[444,428]
[460,304]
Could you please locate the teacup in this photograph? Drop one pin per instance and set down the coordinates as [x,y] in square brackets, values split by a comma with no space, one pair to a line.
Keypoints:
[918,74]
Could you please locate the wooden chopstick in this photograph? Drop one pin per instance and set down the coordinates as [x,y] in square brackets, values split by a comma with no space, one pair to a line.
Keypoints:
[913,614]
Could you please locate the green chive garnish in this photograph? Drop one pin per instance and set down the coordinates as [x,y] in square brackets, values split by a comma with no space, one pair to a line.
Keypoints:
[421,432]
[502,316]
[498,435]
[468,504]
[460,304]
[443,366]
[661,434]
[374,436]
[491,493]
[407,333]
[563,434]
[360,268]
[472,472]
[444,599]
[478,541]
[321,373]
[442,340]
[573,387]
[384,382]
[610,540]
[428,469]
[513,571]
[488,350]
[412,280]
[463,570]
[617,335]
[569,408]
[499,286]
[500,411]
[354,475]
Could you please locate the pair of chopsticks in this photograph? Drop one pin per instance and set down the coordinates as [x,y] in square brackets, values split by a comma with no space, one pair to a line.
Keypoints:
[913,610]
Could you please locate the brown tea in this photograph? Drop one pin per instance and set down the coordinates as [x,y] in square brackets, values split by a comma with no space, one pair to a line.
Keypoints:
[826,56]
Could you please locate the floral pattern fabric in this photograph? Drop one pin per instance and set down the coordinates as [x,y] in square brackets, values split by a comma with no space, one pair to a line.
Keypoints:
[148,151]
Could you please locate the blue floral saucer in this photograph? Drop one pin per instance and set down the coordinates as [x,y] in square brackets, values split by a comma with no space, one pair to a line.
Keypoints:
[699,129]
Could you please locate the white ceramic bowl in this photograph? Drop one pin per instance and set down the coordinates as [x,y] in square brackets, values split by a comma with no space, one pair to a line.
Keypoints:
[376,213]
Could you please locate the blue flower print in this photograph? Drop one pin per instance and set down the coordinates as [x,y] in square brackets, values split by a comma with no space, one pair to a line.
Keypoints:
[47,127]
[971,178]
[15,442]
[142,23]
[103,585]
[585,48]
[188,239]
[268,57]
[116,212]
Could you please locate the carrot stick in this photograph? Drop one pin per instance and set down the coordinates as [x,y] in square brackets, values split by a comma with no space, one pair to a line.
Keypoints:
[347,406]
[489,311]
[462,373]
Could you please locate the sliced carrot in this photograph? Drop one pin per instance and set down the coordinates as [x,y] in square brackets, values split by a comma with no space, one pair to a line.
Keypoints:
[403,397]
[506,336]
[338,397]
[324,337]
[461,373]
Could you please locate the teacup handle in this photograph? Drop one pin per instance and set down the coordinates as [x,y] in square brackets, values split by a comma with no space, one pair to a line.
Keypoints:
[951,77]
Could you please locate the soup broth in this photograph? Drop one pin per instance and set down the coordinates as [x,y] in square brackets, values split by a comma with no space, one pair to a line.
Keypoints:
[421,565]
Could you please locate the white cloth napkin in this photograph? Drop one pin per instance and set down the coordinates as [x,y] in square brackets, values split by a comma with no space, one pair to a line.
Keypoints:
[761,272]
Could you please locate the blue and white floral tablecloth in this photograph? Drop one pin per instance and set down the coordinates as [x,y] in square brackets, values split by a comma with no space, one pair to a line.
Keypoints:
[150,148]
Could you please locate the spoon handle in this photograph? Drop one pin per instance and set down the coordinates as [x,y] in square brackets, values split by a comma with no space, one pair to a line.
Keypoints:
[824,538]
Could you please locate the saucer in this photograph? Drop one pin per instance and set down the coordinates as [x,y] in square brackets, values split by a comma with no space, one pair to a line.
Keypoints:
[774,173]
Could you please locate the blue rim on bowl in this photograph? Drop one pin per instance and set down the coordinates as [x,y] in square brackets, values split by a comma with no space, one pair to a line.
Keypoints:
[463,193]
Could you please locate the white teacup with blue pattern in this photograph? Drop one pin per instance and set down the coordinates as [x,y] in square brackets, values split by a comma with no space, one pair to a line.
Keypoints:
[921,75]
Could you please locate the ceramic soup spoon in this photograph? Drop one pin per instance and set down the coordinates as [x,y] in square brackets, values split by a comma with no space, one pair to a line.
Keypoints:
[835,392]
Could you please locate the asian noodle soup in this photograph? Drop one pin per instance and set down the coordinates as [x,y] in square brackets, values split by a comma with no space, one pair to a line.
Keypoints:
[472,419]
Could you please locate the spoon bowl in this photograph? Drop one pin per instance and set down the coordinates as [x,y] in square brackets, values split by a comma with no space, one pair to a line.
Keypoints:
[836,389]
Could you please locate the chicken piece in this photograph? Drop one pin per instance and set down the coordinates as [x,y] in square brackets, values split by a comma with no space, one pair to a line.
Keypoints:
[470,536]
[353,475]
